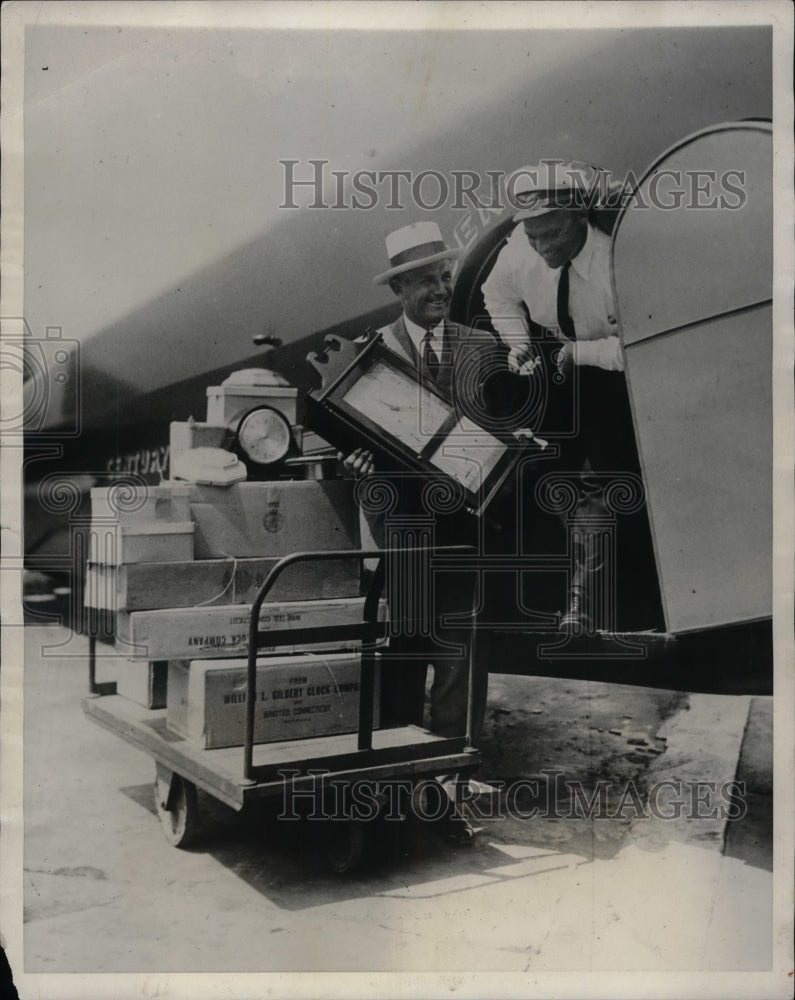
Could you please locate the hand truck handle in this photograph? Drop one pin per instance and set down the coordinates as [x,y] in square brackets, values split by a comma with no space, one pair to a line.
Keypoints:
[366,632]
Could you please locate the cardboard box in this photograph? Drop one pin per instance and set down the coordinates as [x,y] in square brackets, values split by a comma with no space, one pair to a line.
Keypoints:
[119,544]
[226,404]
[213,582]
[297,697]
[142,681]
[274,518]
[204,633]
[168,502]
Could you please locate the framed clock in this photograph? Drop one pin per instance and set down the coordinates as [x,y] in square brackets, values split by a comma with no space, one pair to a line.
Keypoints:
[371,397]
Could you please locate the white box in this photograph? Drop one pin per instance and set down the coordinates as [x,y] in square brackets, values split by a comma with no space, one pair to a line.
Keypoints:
[168,502]
[274,518]
[194,633]
[226,404]
[117,544]
[142,681]
[297,697]
[185,435]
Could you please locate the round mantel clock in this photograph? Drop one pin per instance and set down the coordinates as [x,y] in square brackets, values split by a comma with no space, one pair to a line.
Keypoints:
[263,438]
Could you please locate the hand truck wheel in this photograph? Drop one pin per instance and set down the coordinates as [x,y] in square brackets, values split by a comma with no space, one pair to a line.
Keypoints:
[343,845]
[177,807]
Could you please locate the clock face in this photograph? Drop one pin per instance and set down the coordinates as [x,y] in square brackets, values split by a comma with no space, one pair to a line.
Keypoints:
[264,436]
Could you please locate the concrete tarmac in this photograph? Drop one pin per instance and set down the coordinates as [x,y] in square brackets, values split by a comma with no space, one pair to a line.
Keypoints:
[546,885]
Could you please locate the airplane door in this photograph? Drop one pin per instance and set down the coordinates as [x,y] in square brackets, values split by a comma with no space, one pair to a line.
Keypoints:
[693,285]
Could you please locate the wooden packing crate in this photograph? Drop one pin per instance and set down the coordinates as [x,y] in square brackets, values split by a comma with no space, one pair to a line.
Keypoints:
[212,632]
[149,586]
[274,518]
[168,502]
[155,541]
[297,697]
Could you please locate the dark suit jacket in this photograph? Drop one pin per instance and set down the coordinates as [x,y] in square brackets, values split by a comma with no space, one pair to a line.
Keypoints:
[473,369]
[446,602]
[454,344]
[465,354]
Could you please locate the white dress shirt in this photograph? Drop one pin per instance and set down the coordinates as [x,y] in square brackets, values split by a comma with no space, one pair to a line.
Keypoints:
[417,335]
[521,275]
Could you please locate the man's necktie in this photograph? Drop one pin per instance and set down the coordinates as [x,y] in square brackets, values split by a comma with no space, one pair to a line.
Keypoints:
[430,360]
[564,319]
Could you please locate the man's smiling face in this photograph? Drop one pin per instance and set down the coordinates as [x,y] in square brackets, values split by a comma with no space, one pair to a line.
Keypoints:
[425,292]
[557,236]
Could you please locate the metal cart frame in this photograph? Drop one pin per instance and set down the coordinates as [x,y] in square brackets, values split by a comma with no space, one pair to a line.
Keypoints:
[236,775]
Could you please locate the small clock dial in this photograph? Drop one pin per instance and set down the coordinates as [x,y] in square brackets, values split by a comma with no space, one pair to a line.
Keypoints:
[264,436]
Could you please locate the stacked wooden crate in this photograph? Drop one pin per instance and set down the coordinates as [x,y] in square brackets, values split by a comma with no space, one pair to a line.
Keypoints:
[181,603]
[135,528]
[181,563]
[298,695]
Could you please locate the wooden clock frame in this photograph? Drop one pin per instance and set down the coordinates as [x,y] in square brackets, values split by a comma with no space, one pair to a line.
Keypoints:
[335,411]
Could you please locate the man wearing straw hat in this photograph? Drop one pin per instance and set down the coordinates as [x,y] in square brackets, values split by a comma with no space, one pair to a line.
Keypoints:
[556,266]
[421,277]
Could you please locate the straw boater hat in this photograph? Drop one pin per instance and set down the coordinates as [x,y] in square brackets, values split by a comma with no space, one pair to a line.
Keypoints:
[552,184]
[414,246]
